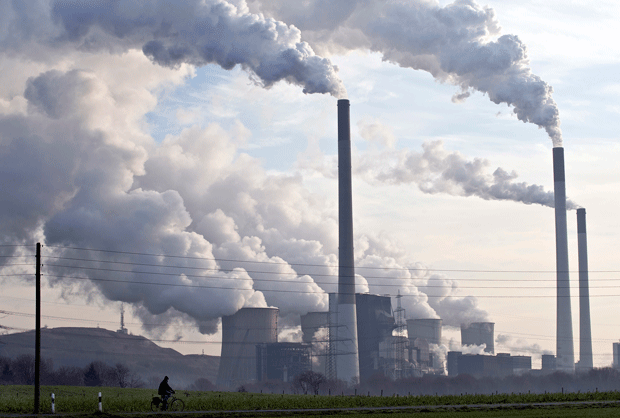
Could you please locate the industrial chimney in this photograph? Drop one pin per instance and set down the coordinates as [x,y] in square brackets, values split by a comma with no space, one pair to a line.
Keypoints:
[347,364]
[585,332]
[564,331]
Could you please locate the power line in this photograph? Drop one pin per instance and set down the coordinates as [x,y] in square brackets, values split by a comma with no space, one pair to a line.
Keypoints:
[197,286]
[322,265]
[277,273]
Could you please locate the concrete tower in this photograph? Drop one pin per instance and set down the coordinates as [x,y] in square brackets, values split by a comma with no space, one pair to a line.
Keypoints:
[564,331]
[347,364]
[241,333]
[585,332]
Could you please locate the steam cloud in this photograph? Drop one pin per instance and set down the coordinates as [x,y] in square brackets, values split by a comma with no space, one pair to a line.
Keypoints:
[434,170]
[459,44]
[189,32]
[84,172]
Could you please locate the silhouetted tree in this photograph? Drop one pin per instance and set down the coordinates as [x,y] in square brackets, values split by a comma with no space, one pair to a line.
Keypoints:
[23,369]
[91,376]
[68,376]
[308,381]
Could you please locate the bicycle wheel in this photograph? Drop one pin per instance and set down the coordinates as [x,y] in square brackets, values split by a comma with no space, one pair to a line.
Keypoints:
[176,405]
[154,406]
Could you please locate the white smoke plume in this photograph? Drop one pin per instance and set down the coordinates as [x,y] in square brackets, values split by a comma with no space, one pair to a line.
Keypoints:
[83,171]
[434,170]
[459,43]
[519,346]
[172,33]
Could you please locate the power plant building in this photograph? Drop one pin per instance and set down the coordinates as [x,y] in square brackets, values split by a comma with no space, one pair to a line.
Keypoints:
[428,329]
[241,333]
[311,323]
[549,363]
[479,365]
[282,361]
[479,333]
[375,323]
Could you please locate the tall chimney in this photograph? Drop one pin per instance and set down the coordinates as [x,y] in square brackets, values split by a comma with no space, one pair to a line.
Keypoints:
[347,365]
[564,331]
[585,332]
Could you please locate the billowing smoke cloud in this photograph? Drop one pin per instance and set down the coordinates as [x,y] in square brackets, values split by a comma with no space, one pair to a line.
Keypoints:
[82,170]
[172,33]
[434,170]
[519,345]
[459,43]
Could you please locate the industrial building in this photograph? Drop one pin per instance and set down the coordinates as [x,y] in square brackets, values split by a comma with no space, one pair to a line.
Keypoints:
[616,352]
[479,333]
[375,323]
[479,365]
[311,323]
[549,363]
[282,361]
[241,333]
[425,328]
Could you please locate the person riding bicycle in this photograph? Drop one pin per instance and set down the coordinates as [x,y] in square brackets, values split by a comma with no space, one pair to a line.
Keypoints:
[165,391]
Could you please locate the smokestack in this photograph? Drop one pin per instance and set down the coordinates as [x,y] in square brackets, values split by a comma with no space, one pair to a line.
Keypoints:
[585,332]
[347,365]
[564,331]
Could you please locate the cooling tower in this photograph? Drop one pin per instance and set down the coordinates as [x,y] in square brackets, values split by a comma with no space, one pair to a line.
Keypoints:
[347,365]
[428,329]
[311,323]
[241,333]
[585,332]
[478,333]
[565,356]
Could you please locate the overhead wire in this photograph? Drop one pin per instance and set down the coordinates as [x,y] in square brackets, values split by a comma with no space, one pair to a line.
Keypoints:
[271,262]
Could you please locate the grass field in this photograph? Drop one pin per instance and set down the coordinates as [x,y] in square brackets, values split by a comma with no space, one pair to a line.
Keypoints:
[116,401]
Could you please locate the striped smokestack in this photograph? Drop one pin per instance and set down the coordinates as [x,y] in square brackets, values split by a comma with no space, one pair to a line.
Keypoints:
[585,332]
[347,364]
[564,331]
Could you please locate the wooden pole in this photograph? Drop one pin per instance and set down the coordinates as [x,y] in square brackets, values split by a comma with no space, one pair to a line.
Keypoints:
[37,343]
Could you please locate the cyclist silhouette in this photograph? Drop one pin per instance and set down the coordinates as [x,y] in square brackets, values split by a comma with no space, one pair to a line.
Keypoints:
[165,391]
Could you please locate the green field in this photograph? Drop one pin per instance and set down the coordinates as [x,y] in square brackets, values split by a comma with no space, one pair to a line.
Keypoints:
[116,401]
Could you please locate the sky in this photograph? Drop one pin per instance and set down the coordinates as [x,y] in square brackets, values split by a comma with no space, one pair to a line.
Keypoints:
[190,146]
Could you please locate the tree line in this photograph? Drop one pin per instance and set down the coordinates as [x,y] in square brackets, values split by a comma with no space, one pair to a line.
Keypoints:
[20,371]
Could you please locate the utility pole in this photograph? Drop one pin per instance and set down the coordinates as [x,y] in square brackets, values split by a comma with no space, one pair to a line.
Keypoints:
[37,349]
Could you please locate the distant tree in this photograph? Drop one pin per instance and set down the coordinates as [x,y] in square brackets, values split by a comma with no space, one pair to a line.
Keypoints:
[91,376]
[6,373]
[69,376]
[121,375]
[308,381]
[135,381]
[23,369]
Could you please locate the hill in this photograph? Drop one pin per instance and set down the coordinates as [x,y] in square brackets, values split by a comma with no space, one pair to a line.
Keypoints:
[80,346]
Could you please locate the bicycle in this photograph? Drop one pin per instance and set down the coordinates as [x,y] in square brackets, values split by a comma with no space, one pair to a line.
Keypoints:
[174,404]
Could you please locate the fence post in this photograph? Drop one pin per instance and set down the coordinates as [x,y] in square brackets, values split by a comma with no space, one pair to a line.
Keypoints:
[100,406]
[53,405]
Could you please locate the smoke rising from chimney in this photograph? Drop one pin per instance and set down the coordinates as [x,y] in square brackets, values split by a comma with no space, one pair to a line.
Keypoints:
[435,170]
[172,33]
[459,43]
[85,171]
